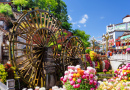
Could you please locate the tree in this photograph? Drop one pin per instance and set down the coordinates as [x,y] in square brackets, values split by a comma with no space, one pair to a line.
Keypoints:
[6,9]
[84,37]
[20,3]
[67,26]
[30,4]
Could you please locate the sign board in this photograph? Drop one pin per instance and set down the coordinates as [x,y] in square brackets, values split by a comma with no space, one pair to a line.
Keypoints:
[120,27]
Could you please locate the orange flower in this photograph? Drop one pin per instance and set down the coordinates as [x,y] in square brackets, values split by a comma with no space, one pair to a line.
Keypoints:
[74,79]
[81,72]
[78,69]
[117,69]
[74,75]
[77,75]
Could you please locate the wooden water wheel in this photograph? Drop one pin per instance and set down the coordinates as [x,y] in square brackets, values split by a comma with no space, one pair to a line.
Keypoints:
[34,47]
[72,51]
[31,35]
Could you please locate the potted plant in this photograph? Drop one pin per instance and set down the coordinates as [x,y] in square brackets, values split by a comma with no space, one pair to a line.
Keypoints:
[104,70]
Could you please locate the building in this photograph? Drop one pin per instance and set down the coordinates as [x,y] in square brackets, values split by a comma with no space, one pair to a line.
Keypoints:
[5,1]
[116,30]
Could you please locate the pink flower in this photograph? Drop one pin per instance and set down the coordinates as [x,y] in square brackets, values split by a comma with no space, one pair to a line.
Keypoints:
[83,77]
[95,82]
[86,72]
[72,82]
[91,88]
[70,78]
[64,80]
[87,76]
[74,86]
[66,72]
[91,82]
[91,75]
[79,80]
[61,78]
[119,67]
[77,85]
[115,71]
[125,73]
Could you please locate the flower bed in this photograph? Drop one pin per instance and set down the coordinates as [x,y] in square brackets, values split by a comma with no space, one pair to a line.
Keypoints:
[114,84]
[77,79]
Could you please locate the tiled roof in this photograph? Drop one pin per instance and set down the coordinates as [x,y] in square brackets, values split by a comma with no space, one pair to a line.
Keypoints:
[126,16]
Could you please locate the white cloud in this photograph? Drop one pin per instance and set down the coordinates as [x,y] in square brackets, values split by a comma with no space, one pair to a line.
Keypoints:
[74,23]
[84,25]
[79,26]
[102,17]
[84,19]
[69,17]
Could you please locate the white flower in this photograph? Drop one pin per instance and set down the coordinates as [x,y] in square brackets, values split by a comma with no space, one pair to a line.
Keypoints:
[104,79]
[95,77]
[42,88]
[55,88]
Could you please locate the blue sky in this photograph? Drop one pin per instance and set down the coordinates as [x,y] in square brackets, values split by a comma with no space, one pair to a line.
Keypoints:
[92,16]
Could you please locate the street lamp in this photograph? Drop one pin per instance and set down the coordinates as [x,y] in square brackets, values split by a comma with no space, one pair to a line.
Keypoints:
[106,36]
[93,42]
[103,46]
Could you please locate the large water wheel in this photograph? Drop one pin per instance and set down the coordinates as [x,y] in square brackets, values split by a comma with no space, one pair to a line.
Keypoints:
[34,42]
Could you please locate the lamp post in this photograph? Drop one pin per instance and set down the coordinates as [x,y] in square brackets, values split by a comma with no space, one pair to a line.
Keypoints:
[106,36]
[93,42]
[102,46]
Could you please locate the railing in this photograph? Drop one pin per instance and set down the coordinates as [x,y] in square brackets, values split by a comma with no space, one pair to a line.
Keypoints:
[3,86]
[120,57]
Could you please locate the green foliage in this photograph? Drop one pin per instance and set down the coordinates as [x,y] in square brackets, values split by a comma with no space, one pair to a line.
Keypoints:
[66,25]
[3,74]
[84,37]
[20,2]
[87,51]
[6,9]
[46,4]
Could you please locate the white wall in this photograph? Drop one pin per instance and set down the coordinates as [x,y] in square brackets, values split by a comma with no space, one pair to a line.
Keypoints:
[127,19]
[1,41]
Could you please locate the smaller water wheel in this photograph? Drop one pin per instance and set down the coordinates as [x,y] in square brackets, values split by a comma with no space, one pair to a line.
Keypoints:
[72,51]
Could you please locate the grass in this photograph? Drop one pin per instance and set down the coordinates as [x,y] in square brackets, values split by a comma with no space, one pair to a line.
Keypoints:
[102,77]
[106,72]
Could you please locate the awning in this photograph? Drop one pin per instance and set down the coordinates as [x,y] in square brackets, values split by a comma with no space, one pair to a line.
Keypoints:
[124,37]
[125,47]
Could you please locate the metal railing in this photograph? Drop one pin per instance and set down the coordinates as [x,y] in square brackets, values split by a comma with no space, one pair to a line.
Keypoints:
[121,57]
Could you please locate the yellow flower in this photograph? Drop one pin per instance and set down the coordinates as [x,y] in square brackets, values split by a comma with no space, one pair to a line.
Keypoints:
[74,75]
[117,69]
[129,78]
[74,79]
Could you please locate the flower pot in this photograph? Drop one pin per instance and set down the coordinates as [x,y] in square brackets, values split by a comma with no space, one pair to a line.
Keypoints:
[110,71]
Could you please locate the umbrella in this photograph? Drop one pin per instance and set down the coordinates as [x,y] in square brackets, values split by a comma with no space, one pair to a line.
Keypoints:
[128,49]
